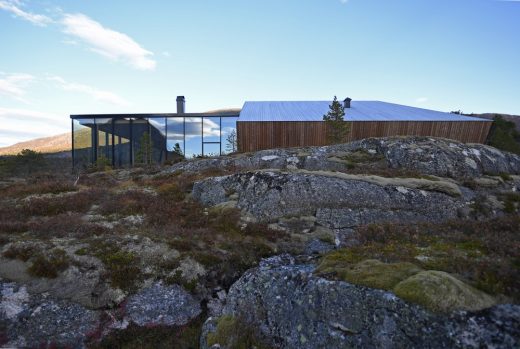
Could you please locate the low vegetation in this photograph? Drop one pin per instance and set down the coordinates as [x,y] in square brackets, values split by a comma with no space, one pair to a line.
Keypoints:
[235,333]
[504,136]
[484,254]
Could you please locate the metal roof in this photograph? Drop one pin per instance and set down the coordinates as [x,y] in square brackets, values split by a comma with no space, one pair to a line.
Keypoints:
[359,111]
[217,113]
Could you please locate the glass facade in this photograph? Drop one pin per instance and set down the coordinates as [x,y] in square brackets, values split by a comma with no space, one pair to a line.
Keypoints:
[126,141]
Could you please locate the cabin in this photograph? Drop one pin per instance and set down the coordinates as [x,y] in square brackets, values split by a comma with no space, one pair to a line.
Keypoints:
[129,139]
[267,125]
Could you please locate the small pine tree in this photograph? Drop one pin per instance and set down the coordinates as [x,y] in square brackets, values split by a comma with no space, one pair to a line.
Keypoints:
[177,150]
[231,145]
[337,128]
[144,154]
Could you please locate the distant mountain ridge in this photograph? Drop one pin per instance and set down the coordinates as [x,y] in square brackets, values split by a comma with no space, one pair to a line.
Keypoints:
[508,117]
[52,144]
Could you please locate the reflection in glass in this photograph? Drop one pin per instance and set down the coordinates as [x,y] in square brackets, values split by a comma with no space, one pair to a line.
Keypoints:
[142,144]
[158,138]
[104,141]
[211,149]
[211,129]
[193,136]
[175,134]
[229,137]
[151,139]
[82,141]
[122,150]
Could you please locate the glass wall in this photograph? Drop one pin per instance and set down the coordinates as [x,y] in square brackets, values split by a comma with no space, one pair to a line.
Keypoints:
[229,137]
[158,138]
[175,138]
[83,152]
[104,140]
[122,141]
[193,137]
[122,148]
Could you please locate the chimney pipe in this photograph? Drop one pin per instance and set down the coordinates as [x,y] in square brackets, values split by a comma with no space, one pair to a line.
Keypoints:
[346,102]
[181,104]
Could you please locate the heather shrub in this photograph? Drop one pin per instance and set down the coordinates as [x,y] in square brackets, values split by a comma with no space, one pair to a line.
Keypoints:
[49,265]
[80,201]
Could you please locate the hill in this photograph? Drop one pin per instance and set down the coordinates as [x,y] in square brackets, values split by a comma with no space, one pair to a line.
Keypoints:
[513,118]
[52,144]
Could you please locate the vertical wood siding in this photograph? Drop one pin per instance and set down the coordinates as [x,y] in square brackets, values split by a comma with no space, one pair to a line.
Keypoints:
[254,136]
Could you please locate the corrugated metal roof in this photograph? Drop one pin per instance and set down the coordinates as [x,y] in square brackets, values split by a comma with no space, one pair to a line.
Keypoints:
[359,111]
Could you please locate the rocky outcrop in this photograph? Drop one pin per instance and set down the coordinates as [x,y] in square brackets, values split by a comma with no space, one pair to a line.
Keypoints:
[433,156]
[333,201]
[41,320]
[161,305]
[38,320]
[290,307]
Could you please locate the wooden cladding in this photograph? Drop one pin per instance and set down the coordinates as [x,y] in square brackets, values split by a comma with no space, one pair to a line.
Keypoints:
[254,136]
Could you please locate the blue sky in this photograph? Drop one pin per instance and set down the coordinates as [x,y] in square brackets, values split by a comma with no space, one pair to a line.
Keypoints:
[77,56]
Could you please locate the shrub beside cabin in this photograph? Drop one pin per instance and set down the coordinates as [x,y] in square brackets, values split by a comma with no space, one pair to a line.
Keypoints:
[129,139]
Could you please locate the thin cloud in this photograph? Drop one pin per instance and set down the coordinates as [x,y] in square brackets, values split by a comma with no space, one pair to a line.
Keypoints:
[107,42]
[422,100]
[14,85]
[97,94]
[26,115]
[14,7]
[17,125]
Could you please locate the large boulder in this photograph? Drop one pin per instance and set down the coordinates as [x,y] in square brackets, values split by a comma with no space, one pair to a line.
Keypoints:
[427,155]
[338,201]
[36,320]
[286,306]
[41,320]
[161,305]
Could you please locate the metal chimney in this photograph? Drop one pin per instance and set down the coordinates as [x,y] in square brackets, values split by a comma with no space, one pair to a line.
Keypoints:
[181,105]
[346,102]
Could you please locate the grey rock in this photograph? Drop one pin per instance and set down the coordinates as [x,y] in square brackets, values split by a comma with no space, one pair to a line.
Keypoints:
[497,327]
[317,246]
[428,155]
[292,308]
[335,201]
[36,320]
[162,305]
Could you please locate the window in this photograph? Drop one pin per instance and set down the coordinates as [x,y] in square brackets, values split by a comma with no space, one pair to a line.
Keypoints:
[122,149]
[82,141]
[193,137]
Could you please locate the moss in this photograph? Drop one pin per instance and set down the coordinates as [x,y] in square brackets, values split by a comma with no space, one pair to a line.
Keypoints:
[49,266]
[441,292]
[122,269]
[511,202]
[506,177]
[370,273]
[375,274]
[81,251]
[234,333]
[360,156]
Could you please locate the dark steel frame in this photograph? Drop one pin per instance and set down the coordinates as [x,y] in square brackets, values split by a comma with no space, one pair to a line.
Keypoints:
[131,117]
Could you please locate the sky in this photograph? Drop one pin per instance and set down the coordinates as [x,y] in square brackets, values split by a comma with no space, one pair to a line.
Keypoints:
[90,56]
